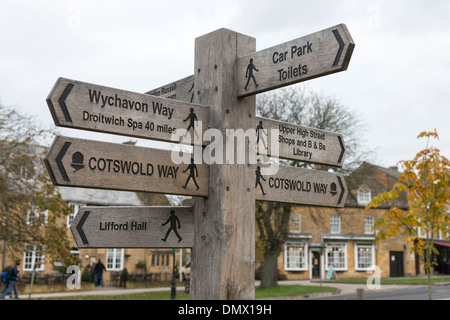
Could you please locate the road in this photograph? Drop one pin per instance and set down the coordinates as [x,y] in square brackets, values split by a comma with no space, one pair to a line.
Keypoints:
[440,292]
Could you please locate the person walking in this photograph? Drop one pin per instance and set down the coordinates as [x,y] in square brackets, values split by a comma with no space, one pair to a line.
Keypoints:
[98,269]
[11,278]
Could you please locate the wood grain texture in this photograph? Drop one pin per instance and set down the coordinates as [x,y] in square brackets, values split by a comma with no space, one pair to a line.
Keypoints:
[223,255]
[302,59]
[86,106]
[182,90]
[301,143]
[94,164]
[133,227]
[301,186]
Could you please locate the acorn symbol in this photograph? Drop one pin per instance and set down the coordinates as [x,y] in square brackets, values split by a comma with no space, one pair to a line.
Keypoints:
[77,161]
[333,189]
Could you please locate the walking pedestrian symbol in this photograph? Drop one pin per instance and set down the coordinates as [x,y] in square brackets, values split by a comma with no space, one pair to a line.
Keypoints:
[249,74]
[258,179]
[192,117]
[193,173]
[259,134]
[174,221]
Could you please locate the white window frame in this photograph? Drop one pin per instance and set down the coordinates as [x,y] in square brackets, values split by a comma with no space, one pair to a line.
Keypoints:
[365,247]
[33,214]
[364,196]
[343,247]
[117,259]
[75,207]
[30,258]
[297,251]
[369,223]
[335,223]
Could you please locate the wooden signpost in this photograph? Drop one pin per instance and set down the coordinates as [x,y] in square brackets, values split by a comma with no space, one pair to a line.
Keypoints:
[182,90]
[81,105]
[220,227]
[134,227]
[298,185]
[94,164]
[302,143]
[315,55]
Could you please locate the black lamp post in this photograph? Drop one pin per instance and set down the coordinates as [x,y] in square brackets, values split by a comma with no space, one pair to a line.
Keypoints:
[173,293]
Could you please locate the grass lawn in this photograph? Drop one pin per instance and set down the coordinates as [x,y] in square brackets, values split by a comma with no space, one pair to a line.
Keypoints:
[282,291]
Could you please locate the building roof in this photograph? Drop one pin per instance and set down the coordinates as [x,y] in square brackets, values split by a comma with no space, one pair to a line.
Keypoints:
[99,197]
[375,178]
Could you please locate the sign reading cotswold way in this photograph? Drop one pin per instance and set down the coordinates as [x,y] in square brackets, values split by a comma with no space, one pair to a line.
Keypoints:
[95,164]
[134,227]
[315,55]
[82,105]
[305,186]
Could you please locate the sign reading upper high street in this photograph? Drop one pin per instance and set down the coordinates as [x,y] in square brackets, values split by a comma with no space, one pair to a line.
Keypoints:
[301,143]
[81,105]
[94,164]
[315,55]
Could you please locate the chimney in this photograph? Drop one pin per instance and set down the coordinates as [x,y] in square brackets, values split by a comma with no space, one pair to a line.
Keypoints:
[394,168]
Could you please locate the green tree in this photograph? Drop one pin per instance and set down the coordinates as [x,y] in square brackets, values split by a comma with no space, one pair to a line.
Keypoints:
[31,210]
[307,108]
[426,180]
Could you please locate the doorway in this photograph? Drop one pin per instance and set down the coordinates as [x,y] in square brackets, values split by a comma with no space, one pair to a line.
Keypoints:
[396,264]
[315,264]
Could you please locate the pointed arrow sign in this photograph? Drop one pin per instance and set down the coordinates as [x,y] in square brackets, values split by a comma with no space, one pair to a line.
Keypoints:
[301,186]
[94,164]
[81,105]
[134,227]
[315,55]
[299,142]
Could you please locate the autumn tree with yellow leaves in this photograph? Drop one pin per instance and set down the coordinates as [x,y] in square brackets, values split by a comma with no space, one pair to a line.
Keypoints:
[426,181]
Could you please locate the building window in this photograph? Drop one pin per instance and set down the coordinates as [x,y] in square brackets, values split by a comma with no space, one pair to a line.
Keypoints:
[295,256]
[114,259]
[336,256]
[364,197]
[368,225]
[36,218]
[74,207]
[335,223]
[295,222]
[364,257]
[160,260]
[33,257]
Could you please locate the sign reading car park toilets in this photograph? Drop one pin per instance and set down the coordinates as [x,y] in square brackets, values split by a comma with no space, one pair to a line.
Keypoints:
[315,55]
[220,226]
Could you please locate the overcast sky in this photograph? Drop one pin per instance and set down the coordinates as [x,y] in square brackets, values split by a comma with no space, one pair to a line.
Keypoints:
[398,80]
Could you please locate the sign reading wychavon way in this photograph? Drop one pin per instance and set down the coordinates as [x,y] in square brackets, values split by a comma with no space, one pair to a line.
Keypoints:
[304,186]
[134,227]
[94,164]
[315,55]
[81,105]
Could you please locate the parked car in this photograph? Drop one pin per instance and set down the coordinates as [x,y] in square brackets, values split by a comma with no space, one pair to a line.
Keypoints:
[186,271]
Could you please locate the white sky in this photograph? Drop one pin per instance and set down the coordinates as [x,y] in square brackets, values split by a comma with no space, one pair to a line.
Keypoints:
[398,80]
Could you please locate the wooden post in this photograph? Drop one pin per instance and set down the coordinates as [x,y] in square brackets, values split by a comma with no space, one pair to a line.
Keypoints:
[223,255]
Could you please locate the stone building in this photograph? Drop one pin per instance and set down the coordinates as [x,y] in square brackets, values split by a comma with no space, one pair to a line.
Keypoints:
[324,239]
